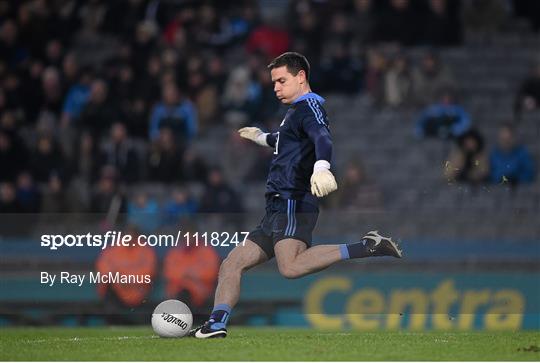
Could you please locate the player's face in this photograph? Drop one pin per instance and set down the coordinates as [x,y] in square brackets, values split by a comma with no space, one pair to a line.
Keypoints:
[286,86]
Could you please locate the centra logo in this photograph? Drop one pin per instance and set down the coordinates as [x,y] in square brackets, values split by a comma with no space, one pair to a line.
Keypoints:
[443,308]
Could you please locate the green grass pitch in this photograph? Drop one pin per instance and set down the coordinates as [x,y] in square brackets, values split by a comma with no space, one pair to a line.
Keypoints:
[139,343]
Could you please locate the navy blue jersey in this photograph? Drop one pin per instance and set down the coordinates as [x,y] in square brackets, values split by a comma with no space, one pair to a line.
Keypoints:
[302,139]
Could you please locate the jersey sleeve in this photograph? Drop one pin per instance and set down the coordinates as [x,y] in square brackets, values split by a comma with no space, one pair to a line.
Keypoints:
[318,132]
[271,139]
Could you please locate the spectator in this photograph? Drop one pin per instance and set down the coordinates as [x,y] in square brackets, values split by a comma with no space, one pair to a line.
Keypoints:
[307,29]
[143,212]
[205,94]
[363,22]
[241,97]
[398,82]
[194,168]
[120,153]
[340,72]
[430,79]
[11,223]
[54,51]
[269,39]
[28,194]
[165,158]
[399,23]
[55,197]
[258,172]
[485,16]
[143,44]
[219,197]
[52,92]
[190,273]
[441,26]
[339,30]
[357,190]
[47,160]
[268,105]
[182,205]
[13,156]
[106,195]
[99,112]
[529,10]
[71,70]
[213,31]
[85,164]
[11,50]
[31,86]
[528,97]
[147,88]
[84,170]
[217,72]
[175,113]
[509,161]
[468,163]
[445,119]
[124,86]
[132,260]
[238,158]
[76,99]
[8,199]
[10,122]
[374,75]
[13,93]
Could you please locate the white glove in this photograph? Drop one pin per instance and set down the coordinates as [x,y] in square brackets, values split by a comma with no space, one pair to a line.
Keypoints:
[322,179]
[254,134]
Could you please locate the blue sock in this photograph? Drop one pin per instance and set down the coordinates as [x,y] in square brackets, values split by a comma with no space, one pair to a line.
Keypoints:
[220,316]
[354,250]
[344,252]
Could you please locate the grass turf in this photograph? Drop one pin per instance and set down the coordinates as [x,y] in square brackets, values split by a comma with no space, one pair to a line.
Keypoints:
[139,343]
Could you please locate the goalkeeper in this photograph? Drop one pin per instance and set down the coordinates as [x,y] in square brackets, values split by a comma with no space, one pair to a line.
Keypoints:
[299,174]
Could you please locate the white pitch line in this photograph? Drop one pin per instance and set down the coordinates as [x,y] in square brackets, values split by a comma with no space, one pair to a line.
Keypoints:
[83,339]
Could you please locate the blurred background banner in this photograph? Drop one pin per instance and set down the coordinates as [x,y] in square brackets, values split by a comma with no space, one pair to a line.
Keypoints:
[122,116]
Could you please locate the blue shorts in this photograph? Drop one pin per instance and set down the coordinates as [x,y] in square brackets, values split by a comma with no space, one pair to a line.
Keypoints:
[284,218]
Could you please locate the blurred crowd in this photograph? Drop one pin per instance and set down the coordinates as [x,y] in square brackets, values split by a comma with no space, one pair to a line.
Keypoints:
[97,96]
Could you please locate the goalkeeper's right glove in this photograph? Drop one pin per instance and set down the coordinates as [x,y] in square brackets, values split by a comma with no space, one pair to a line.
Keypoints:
[254,134]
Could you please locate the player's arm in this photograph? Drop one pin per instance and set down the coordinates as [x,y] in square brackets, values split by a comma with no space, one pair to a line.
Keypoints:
[256,135]
[322,179]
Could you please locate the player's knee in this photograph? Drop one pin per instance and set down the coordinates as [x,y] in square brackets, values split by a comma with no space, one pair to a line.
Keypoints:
[231,265]
[289,272]
[228,266]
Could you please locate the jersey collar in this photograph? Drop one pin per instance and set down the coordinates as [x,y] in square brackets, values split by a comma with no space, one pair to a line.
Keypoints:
[309,95]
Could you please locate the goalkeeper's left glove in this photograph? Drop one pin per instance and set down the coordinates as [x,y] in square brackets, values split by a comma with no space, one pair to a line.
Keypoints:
[322,179]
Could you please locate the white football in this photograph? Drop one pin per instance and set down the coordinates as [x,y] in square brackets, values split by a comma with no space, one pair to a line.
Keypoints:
[172,319]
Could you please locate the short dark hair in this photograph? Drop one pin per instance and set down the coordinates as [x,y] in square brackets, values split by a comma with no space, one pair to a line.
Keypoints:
[295,62]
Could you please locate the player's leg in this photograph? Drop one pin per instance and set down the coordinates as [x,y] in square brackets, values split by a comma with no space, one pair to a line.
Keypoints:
[292,240]
[295,260]
[239,260]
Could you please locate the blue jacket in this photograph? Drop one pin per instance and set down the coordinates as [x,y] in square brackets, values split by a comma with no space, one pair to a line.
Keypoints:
[516,165]
[76,99]
[439,110]
[183,111]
